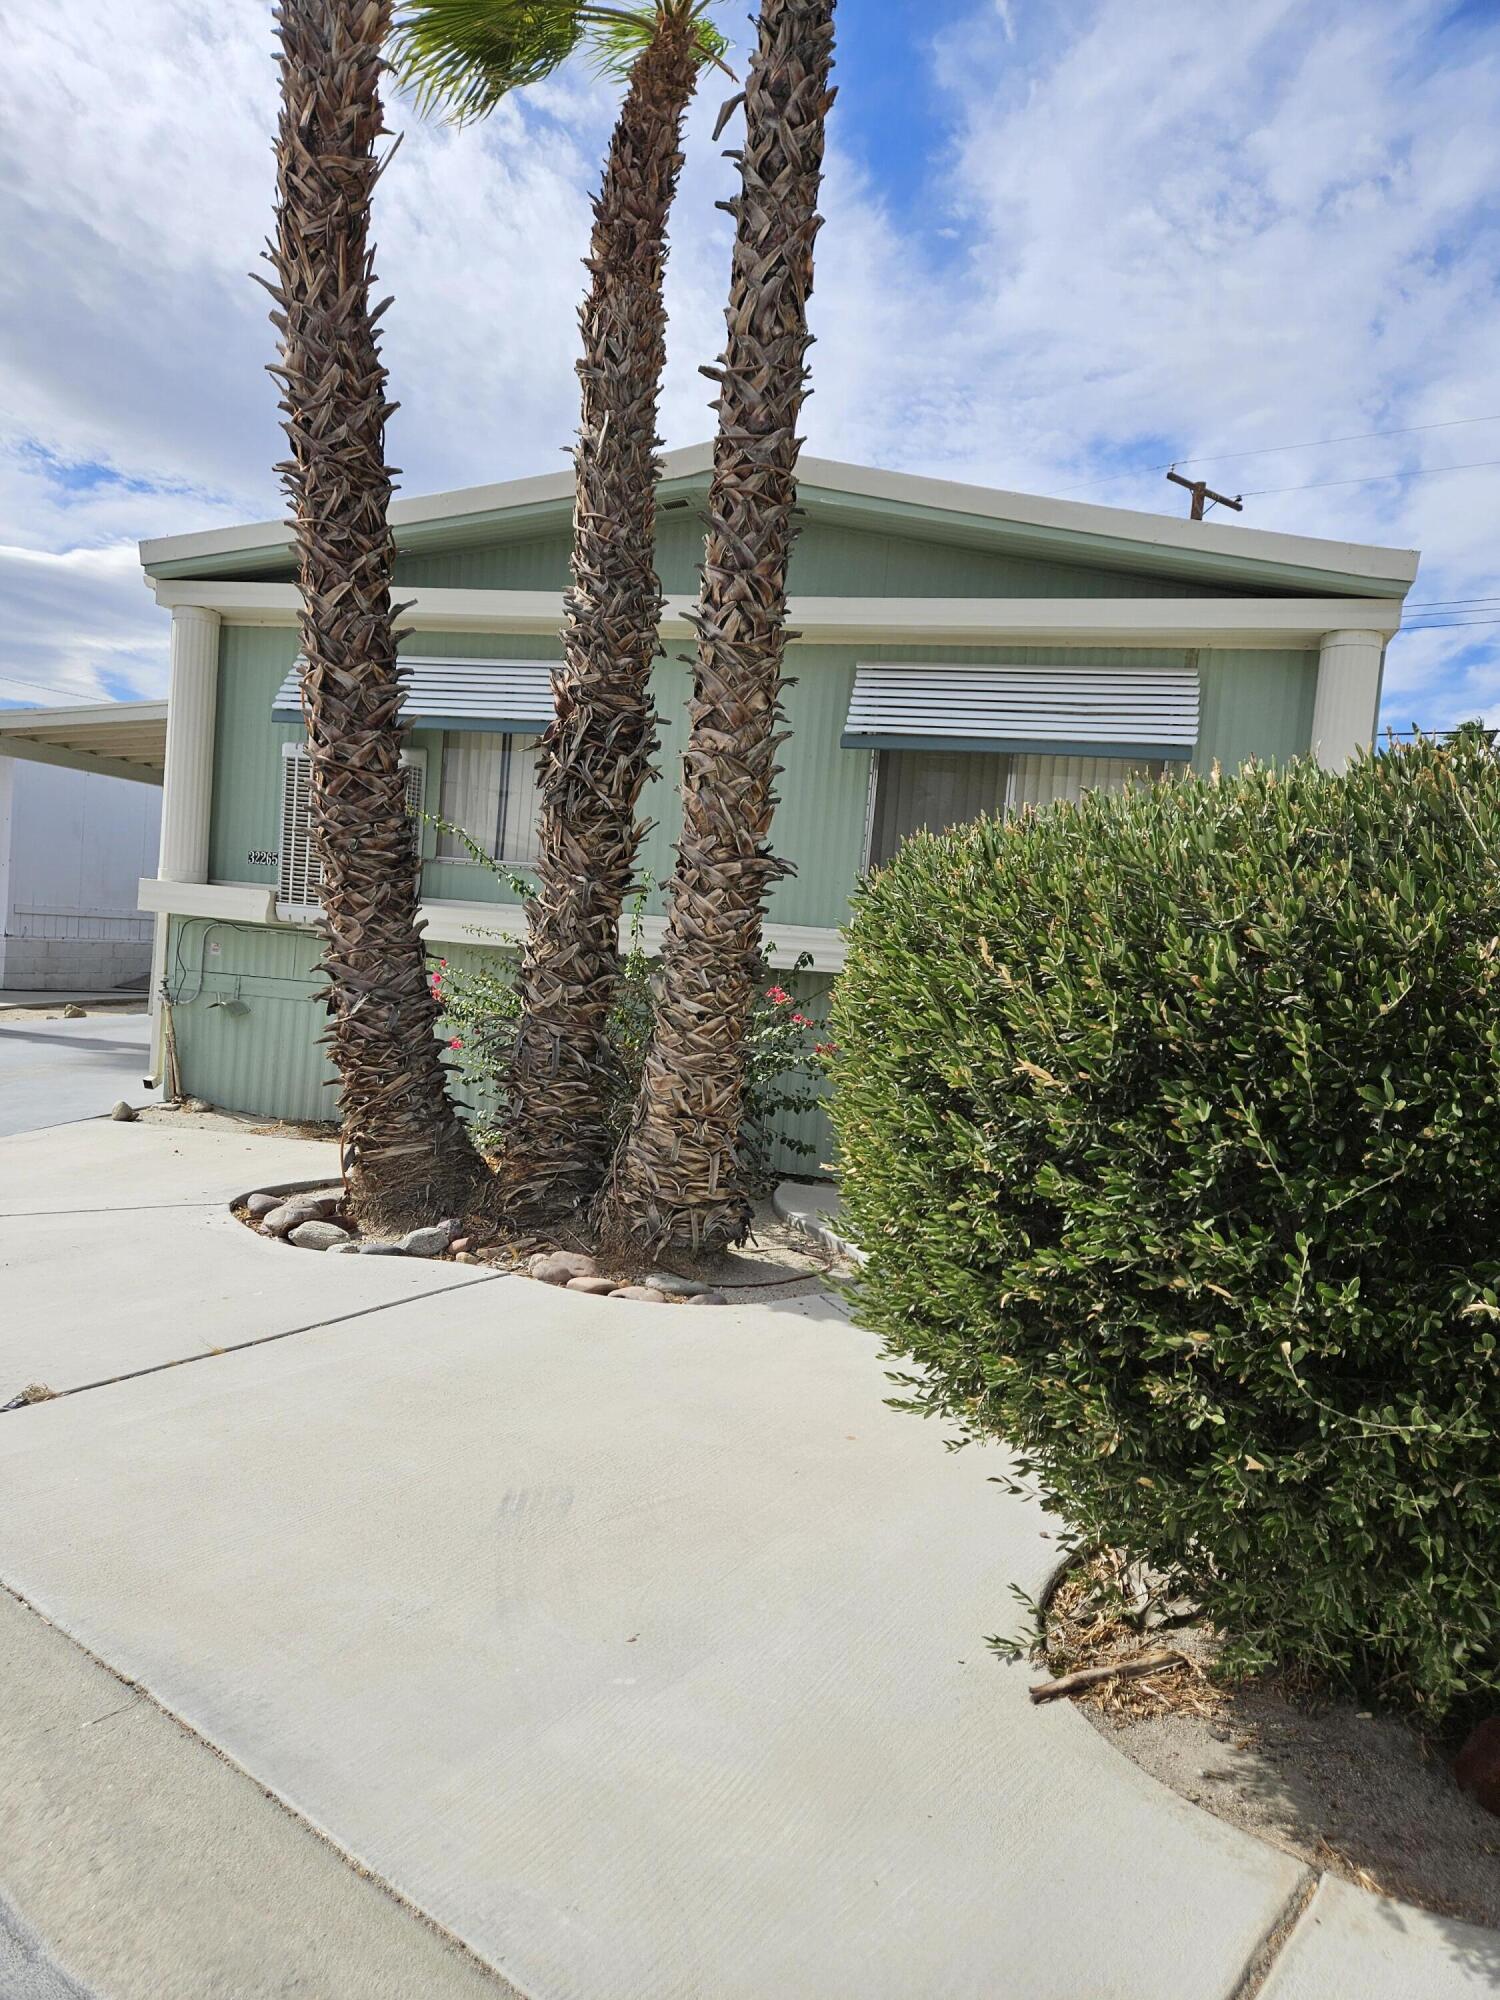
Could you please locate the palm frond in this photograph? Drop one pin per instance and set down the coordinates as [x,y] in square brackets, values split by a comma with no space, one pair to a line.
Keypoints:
[617,38]
[462,56]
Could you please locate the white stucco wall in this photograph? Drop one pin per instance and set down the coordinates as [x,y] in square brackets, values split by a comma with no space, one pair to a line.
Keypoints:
[73,847]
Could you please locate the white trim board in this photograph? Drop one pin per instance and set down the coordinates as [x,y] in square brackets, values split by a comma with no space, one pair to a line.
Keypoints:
[447,922]
[1213,622]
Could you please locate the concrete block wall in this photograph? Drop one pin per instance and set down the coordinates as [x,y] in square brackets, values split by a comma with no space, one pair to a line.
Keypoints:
[73,965]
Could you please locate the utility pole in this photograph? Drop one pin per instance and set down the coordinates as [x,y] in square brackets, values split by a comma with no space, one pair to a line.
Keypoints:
[1202,492]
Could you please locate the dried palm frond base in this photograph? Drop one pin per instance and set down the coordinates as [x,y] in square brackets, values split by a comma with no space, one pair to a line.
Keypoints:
[774,1261]
[1357,1794]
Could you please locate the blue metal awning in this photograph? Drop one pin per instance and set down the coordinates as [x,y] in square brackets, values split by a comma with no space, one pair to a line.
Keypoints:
[510,695]
[1062,711]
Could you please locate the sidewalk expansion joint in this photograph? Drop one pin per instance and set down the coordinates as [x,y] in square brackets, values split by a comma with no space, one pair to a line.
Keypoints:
[504,1989]
[260,1340]
[1263,1959]
[128,1208]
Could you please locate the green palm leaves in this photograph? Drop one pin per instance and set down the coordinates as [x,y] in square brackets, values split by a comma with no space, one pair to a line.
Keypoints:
[463,56]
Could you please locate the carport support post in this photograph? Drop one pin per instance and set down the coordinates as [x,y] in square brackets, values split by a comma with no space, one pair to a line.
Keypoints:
[187,785]
[1348,696]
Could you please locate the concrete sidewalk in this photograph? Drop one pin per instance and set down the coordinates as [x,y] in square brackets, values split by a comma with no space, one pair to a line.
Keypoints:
[118,1252]
[52,1072]
[641,1649]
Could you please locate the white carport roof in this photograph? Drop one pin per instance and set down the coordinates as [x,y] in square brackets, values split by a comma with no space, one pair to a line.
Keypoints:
[119,739]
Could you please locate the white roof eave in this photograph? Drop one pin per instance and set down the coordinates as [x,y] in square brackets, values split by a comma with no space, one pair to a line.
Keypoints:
[1165,534]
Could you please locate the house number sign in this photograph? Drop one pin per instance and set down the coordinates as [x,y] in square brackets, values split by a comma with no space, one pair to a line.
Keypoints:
[263,857]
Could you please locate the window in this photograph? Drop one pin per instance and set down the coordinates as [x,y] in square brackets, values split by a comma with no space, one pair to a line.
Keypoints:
[299,873]
[489,789]
[932,790]
[916,790]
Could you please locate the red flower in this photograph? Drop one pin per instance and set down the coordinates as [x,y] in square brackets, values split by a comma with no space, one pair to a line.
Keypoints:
[825,1048]
[456,1043]
[777,995]
[802,1020]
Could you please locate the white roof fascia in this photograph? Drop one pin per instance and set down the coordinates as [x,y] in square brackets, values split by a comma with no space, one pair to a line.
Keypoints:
[1165,532]
[537,491]
[946,621]
[1079,517]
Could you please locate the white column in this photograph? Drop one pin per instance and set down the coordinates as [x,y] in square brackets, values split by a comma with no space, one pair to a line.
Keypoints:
[1348,696]
[187,793]
[188,782]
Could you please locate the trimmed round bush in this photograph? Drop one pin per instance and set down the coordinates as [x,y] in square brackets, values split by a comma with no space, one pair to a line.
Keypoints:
[1170,1124]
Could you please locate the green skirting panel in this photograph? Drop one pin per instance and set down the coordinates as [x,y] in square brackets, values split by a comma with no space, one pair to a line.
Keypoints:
[248,1025]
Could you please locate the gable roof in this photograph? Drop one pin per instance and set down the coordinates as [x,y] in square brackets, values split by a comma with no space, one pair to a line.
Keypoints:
[862,497]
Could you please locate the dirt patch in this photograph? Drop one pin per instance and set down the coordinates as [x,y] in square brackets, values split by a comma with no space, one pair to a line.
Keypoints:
[1360,1794]
[208,1118]
[49,1008]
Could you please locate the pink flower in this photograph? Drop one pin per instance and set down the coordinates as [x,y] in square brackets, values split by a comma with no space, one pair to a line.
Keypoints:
[456,1043]
[777,995]
[802,1020]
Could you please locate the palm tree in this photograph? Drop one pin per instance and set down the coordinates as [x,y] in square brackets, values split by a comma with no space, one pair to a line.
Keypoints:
[676,1180]
[465,55]
[407,1156]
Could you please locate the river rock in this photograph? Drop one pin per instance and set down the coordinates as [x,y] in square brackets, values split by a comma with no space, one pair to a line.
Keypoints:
[317,1235]
[673,1286]
[557,1267]
[429,1242]
[263,1204]
[1477,1765]
[289,1216]
[123,1113]
[599,1288]
[647,1293]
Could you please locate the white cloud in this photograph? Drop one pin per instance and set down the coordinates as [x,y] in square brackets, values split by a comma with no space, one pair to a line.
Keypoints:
[1141,233]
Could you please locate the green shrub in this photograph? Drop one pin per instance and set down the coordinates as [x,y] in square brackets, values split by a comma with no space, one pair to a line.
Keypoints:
[1170,1126]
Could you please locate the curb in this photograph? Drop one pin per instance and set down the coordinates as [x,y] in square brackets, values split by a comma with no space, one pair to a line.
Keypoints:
[796,1204]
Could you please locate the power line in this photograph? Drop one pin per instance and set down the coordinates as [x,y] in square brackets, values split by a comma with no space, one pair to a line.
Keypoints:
[1446,603]
[1265,450]
[1372,478]
[14,680]
[1453,625]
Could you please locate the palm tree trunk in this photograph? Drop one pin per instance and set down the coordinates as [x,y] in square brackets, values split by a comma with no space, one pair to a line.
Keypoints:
[677,1179]
[407,1155]
[597,755]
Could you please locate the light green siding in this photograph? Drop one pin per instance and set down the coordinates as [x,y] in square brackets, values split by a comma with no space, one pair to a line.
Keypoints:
[1254,704]
[263,1053]
[253,662]
[829,561]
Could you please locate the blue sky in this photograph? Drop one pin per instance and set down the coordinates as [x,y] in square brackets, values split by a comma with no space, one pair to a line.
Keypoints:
[1067,240]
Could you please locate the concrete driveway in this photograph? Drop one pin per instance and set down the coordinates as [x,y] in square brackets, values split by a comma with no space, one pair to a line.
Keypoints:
[52,1072]
[638,1650]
